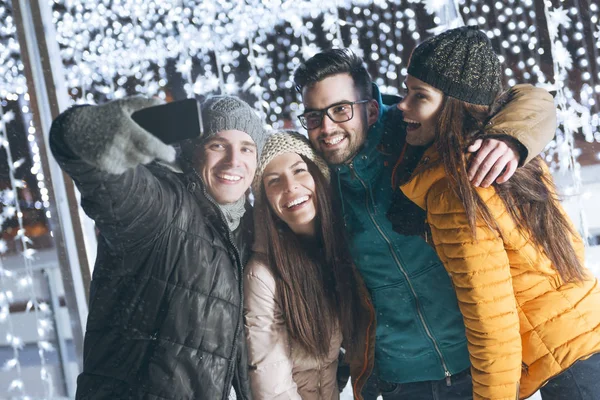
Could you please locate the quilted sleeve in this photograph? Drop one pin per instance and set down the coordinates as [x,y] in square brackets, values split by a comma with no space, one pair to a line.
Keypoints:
[269,351]
[129,209]
[480,271]
[528,114]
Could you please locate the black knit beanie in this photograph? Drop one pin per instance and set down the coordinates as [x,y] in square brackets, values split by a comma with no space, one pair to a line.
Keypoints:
[461,63]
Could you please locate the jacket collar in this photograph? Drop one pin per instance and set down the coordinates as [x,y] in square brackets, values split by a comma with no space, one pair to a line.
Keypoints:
[196,187]
[366,155]
[429,171]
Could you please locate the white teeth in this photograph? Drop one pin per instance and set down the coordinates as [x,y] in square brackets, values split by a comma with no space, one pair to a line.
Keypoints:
[410,121]
[334,140]
[299,200]
[232,178]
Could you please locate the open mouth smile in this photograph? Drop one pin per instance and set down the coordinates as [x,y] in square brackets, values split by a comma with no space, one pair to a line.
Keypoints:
[296,203]
[412,124]
[333,140]
[229,178]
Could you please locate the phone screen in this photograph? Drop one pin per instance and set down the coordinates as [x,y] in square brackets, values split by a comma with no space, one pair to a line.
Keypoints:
[172,122]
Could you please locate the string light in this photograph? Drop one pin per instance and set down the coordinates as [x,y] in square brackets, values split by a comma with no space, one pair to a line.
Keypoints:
[13,89]
[23,280]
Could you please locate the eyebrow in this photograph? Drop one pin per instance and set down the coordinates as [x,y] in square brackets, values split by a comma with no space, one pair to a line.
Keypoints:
[290,167]
[247,143]
[331,105]
[223,140]
[416,87]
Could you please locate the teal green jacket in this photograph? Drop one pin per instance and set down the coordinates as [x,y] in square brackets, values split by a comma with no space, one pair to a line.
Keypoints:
[420,333]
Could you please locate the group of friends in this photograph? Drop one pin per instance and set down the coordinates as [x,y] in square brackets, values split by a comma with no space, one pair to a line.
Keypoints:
[413,245]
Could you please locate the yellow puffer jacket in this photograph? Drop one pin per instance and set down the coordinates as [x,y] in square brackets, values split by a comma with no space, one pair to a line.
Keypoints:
[523,323]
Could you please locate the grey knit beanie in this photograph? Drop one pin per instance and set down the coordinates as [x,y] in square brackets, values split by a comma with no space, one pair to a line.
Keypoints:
[220,113]
[461,63]
[282,142]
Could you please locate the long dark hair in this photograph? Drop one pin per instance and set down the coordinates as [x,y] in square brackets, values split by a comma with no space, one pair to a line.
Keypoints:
[315,279]
[529,196]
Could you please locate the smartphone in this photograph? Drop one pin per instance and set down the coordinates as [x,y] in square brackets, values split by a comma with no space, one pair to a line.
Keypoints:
[172,122]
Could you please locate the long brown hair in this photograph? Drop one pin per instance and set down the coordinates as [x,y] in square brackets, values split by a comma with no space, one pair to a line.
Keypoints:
[529,196]
[315,279]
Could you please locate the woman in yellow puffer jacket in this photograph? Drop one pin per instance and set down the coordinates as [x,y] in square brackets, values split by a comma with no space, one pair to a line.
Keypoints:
[531,309]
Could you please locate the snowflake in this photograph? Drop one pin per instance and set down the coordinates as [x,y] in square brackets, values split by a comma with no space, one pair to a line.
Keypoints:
[262,61]
[257,91]
[330,22]
[184,67]
[455,23]
[16,384]
[46,346]
[357,50]
[7,196]
[10,364]
[9,212]
[309,50]
[231,85]
[297,24]
[207,83]
[433,6]
[8,116]
[562,56]
[570,119]
[29,254]
[120,93]
[558,17]
[226,58]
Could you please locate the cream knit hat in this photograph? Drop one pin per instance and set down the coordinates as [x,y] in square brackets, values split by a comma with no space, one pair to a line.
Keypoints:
[285,142]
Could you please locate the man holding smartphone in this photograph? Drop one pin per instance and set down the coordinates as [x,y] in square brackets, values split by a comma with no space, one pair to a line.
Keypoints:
[165,316]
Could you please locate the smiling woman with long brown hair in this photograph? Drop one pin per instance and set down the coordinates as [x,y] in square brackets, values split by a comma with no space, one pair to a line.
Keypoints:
[531,309]
[303,297]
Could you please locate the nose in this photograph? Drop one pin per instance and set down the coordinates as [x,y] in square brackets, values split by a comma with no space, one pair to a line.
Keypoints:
[402,105]
[289,184]
[233,157]
[327,125]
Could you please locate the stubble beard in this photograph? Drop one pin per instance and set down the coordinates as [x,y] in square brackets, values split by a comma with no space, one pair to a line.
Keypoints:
[341,156]
[345,155]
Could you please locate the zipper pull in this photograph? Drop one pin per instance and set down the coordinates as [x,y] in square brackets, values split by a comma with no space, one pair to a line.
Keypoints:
[448,379]
[352,171]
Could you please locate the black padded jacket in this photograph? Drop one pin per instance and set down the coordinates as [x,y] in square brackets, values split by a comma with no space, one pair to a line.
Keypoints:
[165,314]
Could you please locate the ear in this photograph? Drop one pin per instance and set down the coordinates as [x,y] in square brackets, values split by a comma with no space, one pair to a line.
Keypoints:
[372,111]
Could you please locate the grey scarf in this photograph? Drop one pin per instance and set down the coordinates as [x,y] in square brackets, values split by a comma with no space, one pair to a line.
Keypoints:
[233,212]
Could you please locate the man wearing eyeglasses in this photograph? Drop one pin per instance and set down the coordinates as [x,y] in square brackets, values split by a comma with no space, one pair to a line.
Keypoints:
[420,347]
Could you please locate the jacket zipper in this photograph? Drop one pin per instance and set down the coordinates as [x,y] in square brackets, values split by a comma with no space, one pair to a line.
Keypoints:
[230,369]
[399,264]
[319,378]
